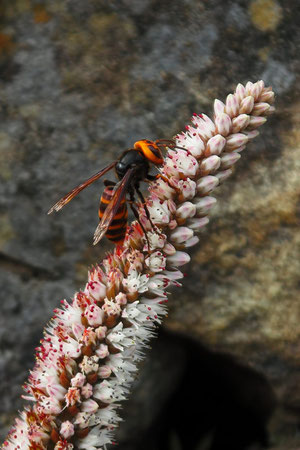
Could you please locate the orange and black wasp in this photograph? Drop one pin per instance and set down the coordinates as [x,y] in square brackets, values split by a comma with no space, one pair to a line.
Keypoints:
[131,168]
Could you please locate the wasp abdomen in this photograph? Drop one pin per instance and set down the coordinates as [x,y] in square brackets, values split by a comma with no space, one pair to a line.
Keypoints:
[117,229]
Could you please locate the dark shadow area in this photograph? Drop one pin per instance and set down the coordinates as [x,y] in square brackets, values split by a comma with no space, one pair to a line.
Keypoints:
[204,400]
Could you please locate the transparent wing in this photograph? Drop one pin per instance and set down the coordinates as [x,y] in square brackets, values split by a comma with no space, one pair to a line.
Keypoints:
[63,201]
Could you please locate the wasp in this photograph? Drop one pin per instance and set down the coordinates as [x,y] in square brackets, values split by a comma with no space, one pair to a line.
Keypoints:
[132,167]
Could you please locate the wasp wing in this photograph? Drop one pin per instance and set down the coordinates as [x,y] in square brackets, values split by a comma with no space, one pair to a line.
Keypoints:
[63,201]
[113,206]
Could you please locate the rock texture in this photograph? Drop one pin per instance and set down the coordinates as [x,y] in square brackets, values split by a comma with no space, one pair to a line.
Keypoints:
[80,82]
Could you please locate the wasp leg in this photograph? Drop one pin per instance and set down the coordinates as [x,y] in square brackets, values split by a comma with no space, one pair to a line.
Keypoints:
[136,214]
[142,198]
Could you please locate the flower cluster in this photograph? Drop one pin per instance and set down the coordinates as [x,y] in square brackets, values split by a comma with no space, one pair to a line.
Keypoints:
[88,357]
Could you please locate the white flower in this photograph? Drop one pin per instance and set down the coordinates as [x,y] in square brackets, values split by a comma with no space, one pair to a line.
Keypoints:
[67,429]
[159,211]
[135,282]
[156,261]
[180,163]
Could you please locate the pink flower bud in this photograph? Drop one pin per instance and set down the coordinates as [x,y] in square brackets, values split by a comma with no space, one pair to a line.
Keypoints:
[256,122]
[267,96]
[67,429]
[210,164]
[255,91]
[101,332]
[102,351]
[178,259]
[185,210]
[219,107]
[215,145]
[87,390]
[232,105]
[207,184]
[94,315]
[270,111]
[260,109]
[104,371]
[251,134]
[248,87]
[191,242]
[247,105]
[239,149]
[205,204]
[197,223]
[181,234]
[240,92]
[89,406]
[121,298]
[78,380]
[235,141]
[169,249]
[96,290]
[229,159]
[240,122]
[224,124]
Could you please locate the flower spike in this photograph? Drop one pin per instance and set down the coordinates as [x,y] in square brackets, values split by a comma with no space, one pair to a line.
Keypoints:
[88,358]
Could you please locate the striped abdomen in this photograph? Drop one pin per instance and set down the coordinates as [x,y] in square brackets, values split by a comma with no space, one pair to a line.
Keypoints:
[117,229]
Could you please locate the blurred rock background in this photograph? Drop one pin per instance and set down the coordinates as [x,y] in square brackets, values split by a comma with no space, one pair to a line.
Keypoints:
[80,82]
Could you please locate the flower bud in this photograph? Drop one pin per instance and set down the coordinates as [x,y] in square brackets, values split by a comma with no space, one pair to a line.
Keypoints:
[181,234]
[247,105]
[215,145]
[224,124]
[207,184]
[256,122]
[178,259]
[210,164]
[205,204]
[235,141]
[229,159]
[198,223]
[240,122]
[185,210]
[232,105]
[223,175]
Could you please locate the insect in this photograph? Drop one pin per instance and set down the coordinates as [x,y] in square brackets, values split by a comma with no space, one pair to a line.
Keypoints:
[131,168]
